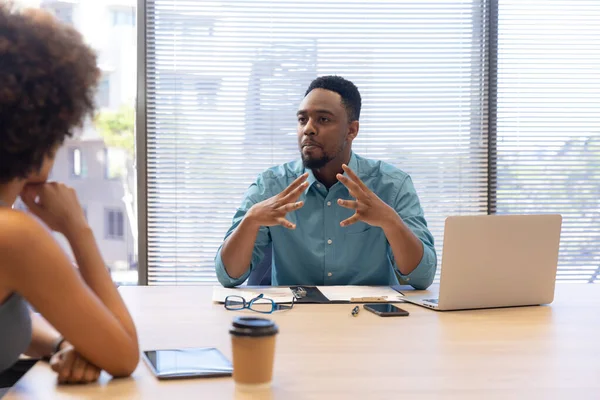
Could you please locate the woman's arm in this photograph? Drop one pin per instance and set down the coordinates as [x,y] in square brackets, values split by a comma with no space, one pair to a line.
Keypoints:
[97,276]
[34,265]
[44,338]
[70,366]
[84,306]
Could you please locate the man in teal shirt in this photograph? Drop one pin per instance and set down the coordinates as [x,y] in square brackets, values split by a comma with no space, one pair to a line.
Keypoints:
[332,217]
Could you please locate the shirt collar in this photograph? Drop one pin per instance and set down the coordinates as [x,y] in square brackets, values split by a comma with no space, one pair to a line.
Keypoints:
[311,177]
[353,164]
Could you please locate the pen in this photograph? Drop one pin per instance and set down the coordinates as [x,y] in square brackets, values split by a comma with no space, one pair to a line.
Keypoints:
[355,311]
[368,299]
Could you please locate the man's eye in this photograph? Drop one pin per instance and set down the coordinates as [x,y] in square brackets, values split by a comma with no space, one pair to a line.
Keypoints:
[301,120]
[324,119]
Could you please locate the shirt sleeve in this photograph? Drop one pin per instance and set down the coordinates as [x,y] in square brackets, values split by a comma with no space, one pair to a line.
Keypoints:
[255,194]
[408,206]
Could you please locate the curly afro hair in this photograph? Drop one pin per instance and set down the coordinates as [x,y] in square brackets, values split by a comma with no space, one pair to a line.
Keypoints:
[48,78]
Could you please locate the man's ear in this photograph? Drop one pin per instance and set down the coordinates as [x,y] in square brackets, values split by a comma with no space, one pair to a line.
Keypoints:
[352,130]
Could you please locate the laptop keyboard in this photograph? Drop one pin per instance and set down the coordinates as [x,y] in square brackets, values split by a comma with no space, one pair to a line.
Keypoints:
[434,301]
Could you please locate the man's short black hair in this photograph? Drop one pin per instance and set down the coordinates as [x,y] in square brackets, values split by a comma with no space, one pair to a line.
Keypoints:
[346,89]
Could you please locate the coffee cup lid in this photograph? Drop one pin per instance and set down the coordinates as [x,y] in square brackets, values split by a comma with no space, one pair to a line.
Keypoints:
[253,326]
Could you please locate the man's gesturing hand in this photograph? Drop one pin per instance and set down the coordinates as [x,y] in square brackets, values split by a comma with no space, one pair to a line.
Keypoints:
[369,207]
[272,211]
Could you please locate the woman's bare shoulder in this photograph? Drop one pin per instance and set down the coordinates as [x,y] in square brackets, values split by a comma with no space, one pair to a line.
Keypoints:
[19,230]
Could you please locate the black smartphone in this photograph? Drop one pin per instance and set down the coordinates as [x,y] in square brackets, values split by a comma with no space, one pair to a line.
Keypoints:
[386,310]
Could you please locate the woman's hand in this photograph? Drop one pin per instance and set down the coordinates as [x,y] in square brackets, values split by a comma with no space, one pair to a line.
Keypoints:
[56,205]
[72,367]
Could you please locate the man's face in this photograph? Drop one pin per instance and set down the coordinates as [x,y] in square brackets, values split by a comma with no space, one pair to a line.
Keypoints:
[323,128]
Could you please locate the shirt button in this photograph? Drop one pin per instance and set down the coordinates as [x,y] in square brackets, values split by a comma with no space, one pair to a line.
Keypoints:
[329,274]
[329,203]
[329,241]
[319,185]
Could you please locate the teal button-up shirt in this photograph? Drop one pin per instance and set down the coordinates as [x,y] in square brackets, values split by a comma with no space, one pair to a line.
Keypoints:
[321,252]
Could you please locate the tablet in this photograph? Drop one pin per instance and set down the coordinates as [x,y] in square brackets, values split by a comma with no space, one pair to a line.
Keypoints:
[187,363]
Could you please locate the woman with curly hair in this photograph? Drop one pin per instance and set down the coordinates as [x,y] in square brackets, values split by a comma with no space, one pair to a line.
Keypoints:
[48,77]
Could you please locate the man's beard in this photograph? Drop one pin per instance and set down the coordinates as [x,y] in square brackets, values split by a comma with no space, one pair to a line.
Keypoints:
[318,163]
[315,163]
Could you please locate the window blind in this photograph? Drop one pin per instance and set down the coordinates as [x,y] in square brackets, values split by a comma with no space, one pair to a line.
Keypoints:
[225,78]
[549,122]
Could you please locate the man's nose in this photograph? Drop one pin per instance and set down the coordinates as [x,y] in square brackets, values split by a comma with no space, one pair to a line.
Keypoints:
[309,129]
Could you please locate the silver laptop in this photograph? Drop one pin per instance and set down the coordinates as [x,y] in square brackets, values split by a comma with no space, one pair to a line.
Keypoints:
[496,261]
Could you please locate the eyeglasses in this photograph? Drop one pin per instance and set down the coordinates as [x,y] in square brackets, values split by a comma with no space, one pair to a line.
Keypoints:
[259,304]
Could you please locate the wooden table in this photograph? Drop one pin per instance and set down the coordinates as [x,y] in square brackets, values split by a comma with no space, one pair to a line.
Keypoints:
[548,352]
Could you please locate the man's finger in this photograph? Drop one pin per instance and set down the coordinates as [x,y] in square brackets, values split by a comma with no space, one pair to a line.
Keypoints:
[350,220]
[348,204]
[294,194]
[352,186]
[355,178]
[291,206]
[284,222]
[297,182]
[78,370]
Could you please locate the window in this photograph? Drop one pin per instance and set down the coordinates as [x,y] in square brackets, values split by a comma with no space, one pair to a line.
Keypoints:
[116,160]
[113,223]
[64,13]
[221,106]
[103,92]
[120,17]
[110,204]
[75,163]
[549,122]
